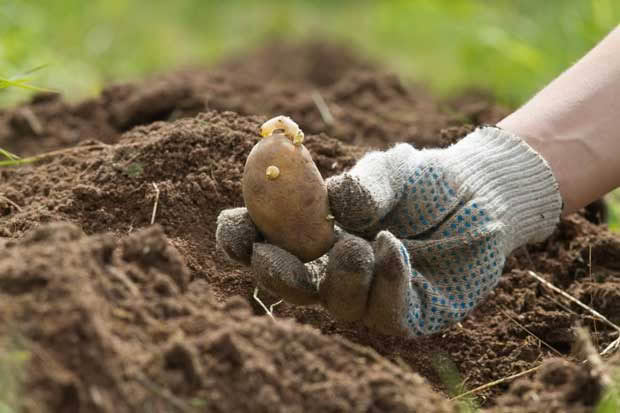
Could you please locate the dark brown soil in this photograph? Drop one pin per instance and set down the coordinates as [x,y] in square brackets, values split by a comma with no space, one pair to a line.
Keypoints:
[115,325]
[369,105]
[120,317]
[558,386]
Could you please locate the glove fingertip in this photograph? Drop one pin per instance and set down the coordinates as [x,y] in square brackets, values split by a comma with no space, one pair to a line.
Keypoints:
[388,300]
[344,291]
[392,256]
[283,274]
[235,234]
[351,203]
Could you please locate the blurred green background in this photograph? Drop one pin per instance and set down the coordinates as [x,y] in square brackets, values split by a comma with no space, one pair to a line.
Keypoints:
[510,48]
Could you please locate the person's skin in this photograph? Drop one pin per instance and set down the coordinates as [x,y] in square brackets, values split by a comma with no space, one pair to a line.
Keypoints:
[574,123]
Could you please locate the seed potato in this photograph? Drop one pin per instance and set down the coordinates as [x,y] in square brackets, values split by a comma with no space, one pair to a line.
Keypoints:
[286,197]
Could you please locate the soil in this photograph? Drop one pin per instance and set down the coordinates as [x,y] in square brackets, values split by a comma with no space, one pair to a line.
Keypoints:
[369,105]
[121,315]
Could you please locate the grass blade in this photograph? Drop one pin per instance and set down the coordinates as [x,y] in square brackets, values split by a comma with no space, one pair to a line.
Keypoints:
[34,69]
[16,162]
[10,156]
[22,80]
[21,83]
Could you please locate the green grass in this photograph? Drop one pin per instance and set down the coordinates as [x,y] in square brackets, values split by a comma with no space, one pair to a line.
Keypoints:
[451,378]
[613,202]
[16,161]
[610,403]
[510,48]
[13,360]
[22,81]
[8,155]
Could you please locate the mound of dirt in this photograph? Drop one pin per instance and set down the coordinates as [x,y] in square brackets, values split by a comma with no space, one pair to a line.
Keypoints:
[150,322]
[559,386]
[365,103]
[115,326]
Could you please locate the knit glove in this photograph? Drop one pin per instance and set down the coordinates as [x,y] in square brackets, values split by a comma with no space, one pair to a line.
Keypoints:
[424,233]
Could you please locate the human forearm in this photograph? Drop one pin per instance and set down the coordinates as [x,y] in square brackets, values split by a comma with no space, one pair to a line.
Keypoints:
[574,123]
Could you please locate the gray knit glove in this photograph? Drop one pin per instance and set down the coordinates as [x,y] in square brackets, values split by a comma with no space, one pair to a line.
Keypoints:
[433,229]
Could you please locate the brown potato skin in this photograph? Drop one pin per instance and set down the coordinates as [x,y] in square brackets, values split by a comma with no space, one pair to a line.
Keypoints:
[290,211]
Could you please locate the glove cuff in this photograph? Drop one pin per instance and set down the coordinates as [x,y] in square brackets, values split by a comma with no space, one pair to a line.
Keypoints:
[512,180]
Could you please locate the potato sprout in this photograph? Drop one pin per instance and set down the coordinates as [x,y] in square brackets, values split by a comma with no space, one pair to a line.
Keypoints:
[272,172]
[284,124]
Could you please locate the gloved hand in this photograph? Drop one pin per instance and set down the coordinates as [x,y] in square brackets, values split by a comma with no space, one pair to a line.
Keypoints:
[423,234]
